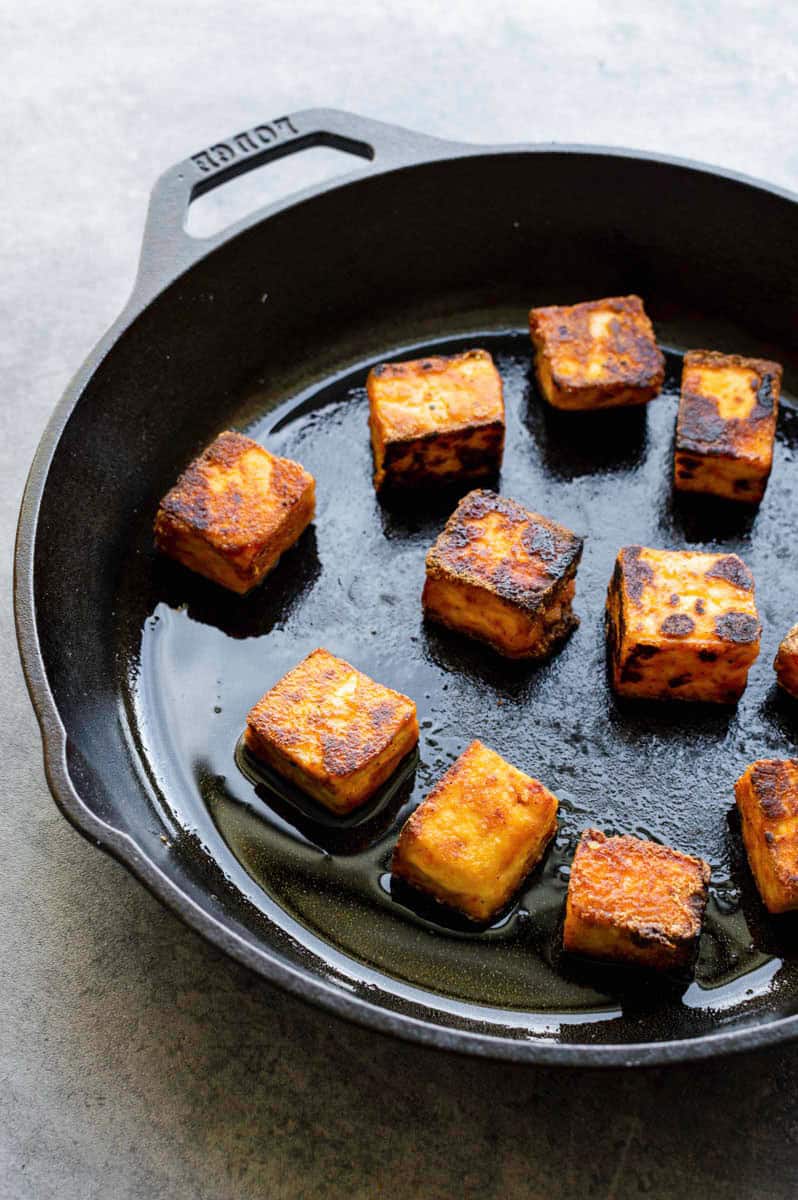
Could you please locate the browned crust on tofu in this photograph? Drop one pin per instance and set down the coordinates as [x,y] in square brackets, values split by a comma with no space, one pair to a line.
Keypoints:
[767,799]
[666,642]
[580,370]
[535,637]
[436,419]
[634,901]
[701,430]
[786,663]
[234,511]
[332,730]
[547,552]
[477,835]
[732,568]
[472,453]
[503,575]
[725,447]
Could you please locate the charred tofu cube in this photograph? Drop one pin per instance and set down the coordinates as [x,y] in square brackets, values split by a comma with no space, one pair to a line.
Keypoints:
[727,425]
[634,901]
[436,420]
[477,835]
[681,625]
[600,354]
[234,511]
[767,798]
[786,664]
[332,731]
[504,575]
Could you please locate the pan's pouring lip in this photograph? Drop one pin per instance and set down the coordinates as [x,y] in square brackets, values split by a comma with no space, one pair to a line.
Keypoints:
[533,1048]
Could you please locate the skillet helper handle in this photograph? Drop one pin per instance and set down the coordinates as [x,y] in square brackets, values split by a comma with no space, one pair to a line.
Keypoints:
[167,249]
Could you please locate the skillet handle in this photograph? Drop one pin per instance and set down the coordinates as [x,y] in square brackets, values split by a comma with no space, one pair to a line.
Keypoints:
[167,249]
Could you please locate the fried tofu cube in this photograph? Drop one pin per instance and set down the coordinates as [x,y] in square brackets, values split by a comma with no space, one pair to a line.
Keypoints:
[786,663]
[332,731]
[767,799]
[436,420]
[600,354]
[478,834]
[634,901]
[234,511]
[726,427]
[681,625]
[503,575]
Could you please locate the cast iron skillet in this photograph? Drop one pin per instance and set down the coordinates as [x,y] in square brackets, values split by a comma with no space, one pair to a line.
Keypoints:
[141,674]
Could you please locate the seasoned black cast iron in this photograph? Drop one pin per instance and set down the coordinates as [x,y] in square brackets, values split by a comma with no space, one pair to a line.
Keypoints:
[142,674]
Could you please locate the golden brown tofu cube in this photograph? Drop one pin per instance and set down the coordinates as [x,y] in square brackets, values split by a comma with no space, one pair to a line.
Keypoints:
[634,901]
[332,731]
[600,354]
[767,797]
[727,425]
[681,625]
[786,663]
[234,511]
[477,835]
[504,575]
[436,420]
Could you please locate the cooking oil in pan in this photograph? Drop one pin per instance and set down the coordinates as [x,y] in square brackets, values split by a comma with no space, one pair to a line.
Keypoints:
[352,584]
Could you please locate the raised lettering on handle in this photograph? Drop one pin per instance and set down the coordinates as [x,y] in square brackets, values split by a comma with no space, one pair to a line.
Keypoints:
[250,141]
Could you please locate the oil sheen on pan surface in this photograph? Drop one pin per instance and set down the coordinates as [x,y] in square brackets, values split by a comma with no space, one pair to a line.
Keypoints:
[353,584]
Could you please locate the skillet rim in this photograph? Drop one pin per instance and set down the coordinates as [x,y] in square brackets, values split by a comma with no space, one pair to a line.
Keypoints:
[409,151]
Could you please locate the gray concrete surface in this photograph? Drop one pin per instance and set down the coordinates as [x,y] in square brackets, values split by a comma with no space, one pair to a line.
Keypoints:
[134,1060]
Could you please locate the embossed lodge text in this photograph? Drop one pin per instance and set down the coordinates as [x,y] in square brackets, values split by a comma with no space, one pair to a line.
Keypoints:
[243,144]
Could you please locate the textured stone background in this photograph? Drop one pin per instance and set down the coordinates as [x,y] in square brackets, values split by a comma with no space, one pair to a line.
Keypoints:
[134,1060]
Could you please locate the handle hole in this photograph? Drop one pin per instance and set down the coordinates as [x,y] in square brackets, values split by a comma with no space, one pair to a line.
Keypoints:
[212,211]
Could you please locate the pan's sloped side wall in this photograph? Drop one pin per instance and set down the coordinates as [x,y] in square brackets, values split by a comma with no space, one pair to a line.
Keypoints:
[511,229]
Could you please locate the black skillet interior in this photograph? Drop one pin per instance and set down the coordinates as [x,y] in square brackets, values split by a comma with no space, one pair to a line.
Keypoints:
[153,670]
